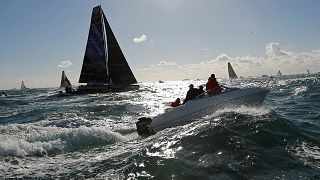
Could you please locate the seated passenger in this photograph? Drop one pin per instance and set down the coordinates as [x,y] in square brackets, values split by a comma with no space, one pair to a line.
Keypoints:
[176,103]
[213,86]
[201,89]
[192,93]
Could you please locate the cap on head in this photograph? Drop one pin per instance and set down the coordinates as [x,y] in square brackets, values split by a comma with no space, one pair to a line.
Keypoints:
[191,85]
[213,76]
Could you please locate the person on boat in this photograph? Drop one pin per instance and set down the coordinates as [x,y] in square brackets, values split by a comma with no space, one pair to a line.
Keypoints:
[213,86]
[201,89]
[192,93]
[176,103]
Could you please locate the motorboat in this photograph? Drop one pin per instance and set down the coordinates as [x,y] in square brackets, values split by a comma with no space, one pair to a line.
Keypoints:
[204,104]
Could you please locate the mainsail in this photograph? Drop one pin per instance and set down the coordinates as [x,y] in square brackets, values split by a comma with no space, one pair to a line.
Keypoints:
[23,86]
[279,73]
[103,60]
[232,74]
[64,81]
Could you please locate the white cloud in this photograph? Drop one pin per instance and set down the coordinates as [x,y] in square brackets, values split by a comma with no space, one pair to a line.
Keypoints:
[64,64]
[140,39]
[273,49]
[166,63]
[287,61]
[206,49]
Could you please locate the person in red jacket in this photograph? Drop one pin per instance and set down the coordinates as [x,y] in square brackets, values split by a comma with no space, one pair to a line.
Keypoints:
[213,86]
[176,103]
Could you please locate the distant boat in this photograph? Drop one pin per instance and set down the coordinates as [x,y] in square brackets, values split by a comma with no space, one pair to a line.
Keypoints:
[308,71]
[279,73]
[64,81]
[161,81]
[104,67]
[232,74]
[23,86]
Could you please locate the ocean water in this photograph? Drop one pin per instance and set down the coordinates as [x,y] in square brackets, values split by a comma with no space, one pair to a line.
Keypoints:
[94,136]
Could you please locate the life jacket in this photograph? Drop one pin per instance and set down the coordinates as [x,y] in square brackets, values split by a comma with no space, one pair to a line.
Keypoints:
[213,85]
[175,104]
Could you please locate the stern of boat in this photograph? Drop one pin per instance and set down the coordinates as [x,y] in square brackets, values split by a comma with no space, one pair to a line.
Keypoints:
[144,127]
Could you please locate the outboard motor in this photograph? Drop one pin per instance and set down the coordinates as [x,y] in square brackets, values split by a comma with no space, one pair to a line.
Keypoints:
[144,126]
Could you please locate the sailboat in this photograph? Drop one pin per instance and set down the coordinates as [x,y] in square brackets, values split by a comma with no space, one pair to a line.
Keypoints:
[308,71]
[64,81]
[232,74]
[104,67]
[23,86]
[279,73]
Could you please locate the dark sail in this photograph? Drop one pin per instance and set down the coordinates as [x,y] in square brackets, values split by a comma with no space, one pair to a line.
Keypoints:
[94,68]
[119,70]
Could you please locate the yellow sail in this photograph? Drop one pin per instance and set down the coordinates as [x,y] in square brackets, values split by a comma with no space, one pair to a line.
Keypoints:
[232,74]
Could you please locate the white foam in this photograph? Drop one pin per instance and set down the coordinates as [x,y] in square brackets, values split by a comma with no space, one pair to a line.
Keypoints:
[30,140]
[254,111]
[300,90]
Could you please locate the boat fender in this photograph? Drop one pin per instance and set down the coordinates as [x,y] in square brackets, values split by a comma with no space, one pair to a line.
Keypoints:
[144,126]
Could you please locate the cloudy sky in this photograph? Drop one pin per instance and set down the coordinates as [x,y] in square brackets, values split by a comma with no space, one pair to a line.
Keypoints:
[161,39]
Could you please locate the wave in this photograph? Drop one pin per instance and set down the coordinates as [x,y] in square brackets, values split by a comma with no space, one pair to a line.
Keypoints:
[41,141]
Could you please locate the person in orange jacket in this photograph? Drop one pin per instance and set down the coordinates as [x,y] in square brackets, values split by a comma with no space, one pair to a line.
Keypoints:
[176,103]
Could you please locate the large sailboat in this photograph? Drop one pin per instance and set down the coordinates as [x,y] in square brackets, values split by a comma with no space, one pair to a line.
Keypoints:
[232,73]
[64,81]
[104,67]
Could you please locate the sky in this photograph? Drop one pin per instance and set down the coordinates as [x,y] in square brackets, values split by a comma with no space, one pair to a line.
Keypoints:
[161,39]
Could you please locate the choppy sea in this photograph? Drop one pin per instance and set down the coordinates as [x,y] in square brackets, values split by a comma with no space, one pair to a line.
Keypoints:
[43,136]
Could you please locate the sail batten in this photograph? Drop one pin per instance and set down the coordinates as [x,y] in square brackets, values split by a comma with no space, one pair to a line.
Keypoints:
[232,73]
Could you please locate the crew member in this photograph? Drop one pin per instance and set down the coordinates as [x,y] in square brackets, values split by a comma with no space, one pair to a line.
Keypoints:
[176,103]
[213,86]
[192,93]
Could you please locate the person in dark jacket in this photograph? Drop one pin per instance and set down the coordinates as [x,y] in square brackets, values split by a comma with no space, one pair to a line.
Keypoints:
[192,93]
[213,86]
[201,89]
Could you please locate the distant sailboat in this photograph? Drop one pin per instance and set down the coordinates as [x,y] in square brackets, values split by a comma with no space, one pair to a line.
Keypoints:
[232,74]
[279,73]
[23,86]
[104,67]
[64,81]
[308,71]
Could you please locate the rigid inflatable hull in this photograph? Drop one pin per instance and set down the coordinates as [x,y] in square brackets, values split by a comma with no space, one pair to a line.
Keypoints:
[199,107]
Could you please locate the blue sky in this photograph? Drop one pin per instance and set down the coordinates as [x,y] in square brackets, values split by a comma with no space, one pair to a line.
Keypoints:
[175,39]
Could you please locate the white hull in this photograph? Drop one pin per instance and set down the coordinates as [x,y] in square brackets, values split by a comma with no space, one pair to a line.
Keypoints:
[206,105]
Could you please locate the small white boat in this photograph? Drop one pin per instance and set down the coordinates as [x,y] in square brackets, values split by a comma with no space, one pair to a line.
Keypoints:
[200,106]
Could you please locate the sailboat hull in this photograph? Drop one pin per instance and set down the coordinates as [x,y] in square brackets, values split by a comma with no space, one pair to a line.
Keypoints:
[205,105]
[91,89]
